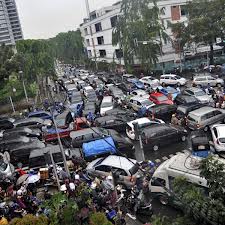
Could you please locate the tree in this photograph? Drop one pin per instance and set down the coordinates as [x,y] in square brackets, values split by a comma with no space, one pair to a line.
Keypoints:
[139,22]
[30,220]
[206,22]
[99,218]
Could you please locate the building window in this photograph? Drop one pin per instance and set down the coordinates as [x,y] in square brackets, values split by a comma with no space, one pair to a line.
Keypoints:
[89,53]
[113,21]
[102,53]
[100,40]
[119,53]
[87,42]
[98,27]
[183,10]
[85,31]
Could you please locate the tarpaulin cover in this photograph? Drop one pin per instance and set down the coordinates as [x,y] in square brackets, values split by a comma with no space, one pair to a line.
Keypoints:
[99,147]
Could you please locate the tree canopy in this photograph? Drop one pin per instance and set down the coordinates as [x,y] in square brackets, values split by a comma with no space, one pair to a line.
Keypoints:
[137,29]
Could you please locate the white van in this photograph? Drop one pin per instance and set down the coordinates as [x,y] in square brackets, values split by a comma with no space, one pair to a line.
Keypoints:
[180,165]
[107,104]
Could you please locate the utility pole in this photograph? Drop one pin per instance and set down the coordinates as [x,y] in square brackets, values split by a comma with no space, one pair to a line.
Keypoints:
[87,8]
[24,87]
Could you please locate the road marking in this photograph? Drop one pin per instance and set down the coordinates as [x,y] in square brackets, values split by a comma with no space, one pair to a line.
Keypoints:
[165,158]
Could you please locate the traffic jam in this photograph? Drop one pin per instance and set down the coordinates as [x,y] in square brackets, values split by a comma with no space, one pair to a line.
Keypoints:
[112,132]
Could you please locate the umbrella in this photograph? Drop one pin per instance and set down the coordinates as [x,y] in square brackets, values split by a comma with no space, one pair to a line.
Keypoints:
[33,179]
[21,179]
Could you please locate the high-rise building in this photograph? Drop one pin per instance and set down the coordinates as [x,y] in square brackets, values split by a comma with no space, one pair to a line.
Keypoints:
[10,28]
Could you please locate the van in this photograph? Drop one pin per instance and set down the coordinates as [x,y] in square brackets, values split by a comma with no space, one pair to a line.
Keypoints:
[180,165]
[204,117]
[107,104]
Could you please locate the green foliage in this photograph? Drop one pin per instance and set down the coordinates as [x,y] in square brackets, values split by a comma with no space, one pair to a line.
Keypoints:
[30,220]
[99,218]
[206,21]
[68,47]
[139,20]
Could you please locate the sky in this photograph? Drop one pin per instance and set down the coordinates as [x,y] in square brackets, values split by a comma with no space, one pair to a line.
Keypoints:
[47,18]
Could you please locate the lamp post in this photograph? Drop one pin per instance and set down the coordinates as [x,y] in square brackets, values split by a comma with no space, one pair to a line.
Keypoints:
[24,87]
[11,101]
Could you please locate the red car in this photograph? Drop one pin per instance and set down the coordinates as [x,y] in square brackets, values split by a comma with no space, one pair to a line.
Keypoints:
[159,98]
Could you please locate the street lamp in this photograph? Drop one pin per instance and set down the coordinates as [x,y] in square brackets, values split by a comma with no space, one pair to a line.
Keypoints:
[24,87]
[11,101]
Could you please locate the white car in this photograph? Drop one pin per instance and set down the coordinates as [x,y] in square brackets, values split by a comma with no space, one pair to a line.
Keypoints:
[138,102]
[218,137]
[139,93]
[126,168]
[150,82]
[172,79]
[142,123]
[106,105]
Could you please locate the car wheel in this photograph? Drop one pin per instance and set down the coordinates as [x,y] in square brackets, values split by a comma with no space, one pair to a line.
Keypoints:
[155,147]
[164,200]
[183,138]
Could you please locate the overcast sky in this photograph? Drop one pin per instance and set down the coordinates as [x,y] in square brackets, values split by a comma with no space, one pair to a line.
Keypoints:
[46,18]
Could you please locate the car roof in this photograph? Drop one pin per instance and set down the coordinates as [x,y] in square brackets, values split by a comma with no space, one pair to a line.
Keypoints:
[138,98]
[157,94]
[220,129]
[194,89]
[88,88]
[119,162]
[203,110]
[79,133]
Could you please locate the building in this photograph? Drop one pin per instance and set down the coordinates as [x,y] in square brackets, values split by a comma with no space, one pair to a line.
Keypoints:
[97,33]
[10,28]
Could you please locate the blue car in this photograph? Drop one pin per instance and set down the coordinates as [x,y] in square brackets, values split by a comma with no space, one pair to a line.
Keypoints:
[41,114]
[138,84]
[169,91]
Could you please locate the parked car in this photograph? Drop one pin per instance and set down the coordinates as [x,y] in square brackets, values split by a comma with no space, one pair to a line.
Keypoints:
[117,93]
[32,123]
[159,135]
[117,123]
[106,105]
[205,80]
[137,103]
[114,80]
[218,137]
[89,107]
[6,123]
[40,114]
[150,81]
[137,83]
[199,94]
[96,133]
[159,98]
[142,123]
[125,168]
[184,109]
[163,111]
[172,79]
[204,117]
[184,99]
[75,100]
[127,76]
[126,87]
[169,91]
[90,94]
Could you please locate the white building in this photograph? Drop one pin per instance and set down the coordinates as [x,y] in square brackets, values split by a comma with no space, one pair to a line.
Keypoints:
[97,31]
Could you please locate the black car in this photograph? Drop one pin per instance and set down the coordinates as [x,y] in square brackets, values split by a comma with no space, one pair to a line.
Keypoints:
[163,111]
[96,133]
[6,123]
[32,122]
[126,87]
[89,107]
[162,134]
[183,110]
[117,123]
[183,99]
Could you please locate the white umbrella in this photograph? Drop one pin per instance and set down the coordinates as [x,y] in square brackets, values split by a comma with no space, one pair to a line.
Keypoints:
[21,179]
[33,179]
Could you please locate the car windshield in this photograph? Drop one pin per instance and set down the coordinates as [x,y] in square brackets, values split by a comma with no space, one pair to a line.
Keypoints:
[106,104]
[178,77]
[162,98]
[200,93]
[147,103]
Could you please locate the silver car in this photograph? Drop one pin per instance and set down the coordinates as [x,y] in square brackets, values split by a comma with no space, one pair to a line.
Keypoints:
[199,94]
[204,117]
[205,80]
